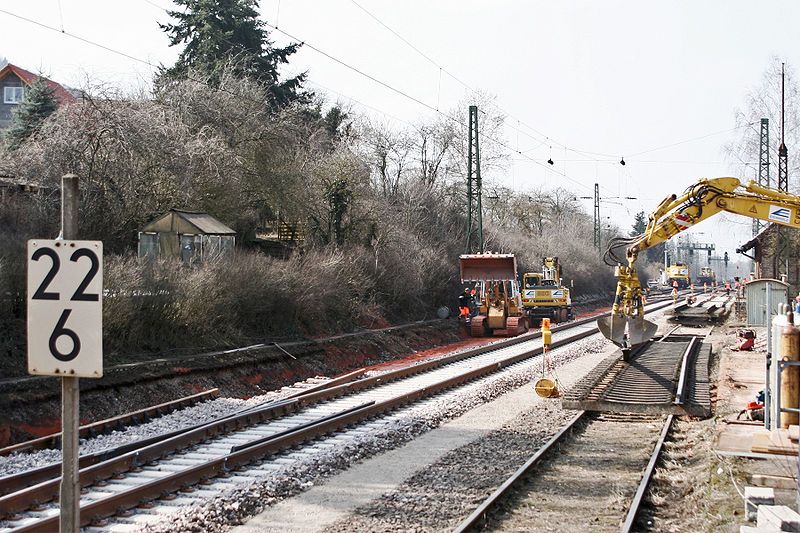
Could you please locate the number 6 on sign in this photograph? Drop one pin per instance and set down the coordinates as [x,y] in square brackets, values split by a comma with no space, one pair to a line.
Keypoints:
[65,308]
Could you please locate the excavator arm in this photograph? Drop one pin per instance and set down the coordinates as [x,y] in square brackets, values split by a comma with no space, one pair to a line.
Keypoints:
[626,326]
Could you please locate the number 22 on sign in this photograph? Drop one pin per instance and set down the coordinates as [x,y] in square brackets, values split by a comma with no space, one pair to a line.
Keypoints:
[65,308]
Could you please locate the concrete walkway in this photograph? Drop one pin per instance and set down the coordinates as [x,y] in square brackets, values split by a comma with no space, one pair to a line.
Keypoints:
[322,505]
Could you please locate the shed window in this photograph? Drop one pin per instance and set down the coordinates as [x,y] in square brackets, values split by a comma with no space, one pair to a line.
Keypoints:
[13,95]
[148,245]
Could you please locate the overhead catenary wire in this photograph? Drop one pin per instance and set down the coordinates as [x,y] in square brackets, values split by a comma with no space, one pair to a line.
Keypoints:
[368,76]
[416,100]
[463,83]
[585,153]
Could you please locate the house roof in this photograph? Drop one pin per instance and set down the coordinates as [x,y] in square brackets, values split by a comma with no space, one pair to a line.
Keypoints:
[197,223]
[59,91]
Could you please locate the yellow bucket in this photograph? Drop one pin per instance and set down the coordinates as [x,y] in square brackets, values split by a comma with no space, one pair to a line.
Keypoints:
[546,388]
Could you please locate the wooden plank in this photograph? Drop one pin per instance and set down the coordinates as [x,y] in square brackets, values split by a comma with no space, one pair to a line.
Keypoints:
[774,442]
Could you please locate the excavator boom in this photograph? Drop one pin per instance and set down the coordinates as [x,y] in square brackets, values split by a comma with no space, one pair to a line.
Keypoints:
[627,326]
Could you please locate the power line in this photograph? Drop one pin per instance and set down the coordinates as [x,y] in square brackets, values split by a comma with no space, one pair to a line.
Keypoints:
[474,91]
[414,99]
[692,139]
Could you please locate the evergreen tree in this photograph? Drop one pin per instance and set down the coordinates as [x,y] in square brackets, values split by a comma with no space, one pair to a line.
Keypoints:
[217,31]
[39,103]
[639,224]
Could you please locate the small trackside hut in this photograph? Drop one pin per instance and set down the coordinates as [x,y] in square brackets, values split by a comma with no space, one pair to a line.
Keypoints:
[190,236]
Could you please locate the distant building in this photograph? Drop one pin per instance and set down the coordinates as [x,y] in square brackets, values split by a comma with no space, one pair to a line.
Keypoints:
[13,83]
[189,235]
[776,252]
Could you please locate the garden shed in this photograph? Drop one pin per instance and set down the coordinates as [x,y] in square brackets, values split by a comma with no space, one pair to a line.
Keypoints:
[758,293]
[189,235]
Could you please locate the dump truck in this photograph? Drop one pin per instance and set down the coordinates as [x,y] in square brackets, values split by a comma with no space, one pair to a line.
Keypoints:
[544,295]
[499,303]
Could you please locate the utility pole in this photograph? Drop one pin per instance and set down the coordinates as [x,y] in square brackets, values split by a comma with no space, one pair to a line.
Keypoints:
[474,211]
[597,243]
[763,167]
[783,156]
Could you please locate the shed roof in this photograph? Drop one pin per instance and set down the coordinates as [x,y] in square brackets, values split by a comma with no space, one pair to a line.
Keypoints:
[764,281]
[197,221]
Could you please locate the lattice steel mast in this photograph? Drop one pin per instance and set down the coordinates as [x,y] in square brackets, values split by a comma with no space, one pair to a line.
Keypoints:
[763,167]
[474,210]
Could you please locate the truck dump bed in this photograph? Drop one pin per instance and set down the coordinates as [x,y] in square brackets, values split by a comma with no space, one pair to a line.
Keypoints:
[488,267]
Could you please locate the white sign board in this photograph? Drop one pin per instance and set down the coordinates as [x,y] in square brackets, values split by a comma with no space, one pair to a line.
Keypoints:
[65,308]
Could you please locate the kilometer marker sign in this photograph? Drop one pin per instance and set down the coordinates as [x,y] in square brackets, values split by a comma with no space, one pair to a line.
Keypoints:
[65,308]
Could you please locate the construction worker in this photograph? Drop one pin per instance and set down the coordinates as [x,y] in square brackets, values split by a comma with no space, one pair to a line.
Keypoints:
[727,287]
[464,303]
[705,287]
[674,294]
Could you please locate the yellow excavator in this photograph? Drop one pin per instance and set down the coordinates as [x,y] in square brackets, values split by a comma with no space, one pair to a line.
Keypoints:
[627,327]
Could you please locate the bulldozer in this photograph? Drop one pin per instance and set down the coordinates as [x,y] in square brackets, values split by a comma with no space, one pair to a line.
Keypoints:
[500,310]
[544,295]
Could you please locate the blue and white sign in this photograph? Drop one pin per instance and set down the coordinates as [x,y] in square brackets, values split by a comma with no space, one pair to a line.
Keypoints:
[781,214]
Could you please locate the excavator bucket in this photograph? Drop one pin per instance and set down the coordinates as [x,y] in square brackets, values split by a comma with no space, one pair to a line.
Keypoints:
[488,267]
[626,332]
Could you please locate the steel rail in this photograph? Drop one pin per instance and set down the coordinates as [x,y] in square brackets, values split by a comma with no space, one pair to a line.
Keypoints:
[326,391]
[47,490]
[630,518]
[682,380]
[133,497]
[16,482]
[109,424]
[473,520]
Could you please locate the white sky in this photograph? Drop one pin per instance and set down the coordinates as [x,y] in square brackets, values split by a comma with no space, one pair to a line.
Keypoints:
[610,77]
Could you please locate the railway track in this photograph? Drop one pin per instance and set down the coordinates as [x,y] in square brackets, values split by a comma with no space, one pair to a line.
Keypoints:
[603,466]
[207,458]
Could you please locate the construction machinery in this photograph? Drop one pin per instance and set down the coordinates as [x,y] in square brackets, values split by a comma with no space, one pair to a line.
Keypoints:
[544,295]
[678,274]
[627,327]
[707,277]
[500,309]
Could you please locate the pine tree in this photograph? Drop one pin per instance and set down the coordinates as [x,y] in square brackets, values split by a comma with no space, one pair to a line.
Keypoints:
[217,31]
[639,224]
[39,103]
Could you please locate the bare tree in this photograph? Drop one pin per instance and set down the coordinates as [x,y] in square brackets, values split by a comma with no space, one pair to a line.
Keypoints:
[764,101]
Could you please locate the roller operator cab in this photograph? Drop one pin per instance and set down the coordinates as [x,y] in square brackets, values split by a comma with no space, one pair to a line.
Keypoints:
[707,276]
[679,272]
[500,304]
[544,295]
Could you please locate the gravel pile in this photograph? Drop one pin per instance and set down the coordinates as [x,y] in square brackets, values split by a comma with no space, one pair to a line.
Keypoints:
[183,418]
[240,502]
